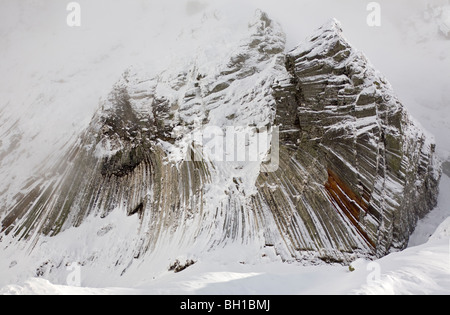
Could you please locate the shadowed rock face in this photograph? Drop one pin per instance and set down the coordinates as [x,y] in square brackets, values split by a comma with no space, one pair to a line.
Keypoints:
[355,171]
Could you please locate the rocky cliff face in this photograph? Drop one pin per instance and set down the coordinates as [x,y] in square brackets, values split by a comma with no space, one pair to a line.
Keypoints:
[361,171]
[355,172]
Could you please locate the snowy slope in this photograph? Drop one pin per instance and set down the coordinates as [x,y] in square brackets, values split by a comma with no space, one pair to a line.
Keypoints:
[424,269]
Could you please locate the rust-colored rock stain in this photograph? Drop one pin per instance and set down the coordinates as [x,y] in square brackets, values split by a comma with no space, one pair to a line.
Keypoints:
[347,203]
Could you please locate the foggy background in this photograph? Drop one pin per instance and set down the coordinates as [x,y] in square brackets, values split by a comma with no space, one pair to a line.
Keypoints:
[52,76]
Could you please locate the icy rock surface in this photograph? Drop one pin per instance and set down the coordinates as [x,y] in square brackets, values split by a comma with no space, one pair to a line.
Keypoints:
[355,174]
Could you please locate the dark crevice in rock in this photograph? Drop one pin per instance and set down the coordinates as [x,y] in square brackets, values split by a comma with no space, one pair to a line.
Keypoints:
[138,210]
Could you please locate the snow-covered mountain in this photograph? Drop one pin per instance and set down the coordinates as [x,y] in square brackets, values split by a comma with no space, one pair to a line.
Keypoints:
[136,190]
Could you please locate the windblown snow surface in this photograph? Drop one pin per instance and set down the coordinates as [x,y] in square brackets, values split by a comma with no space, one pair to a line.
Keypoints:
[53,78]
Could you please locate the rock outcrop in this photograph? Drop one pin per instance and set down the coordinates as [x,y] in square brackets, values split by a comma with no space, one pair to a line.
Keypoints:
[355,172]
[361,172]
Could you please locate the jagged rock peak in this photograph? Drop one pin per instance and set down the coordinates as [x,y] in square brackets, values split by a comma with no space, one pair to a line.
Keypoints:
[324,36]
[267,35]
